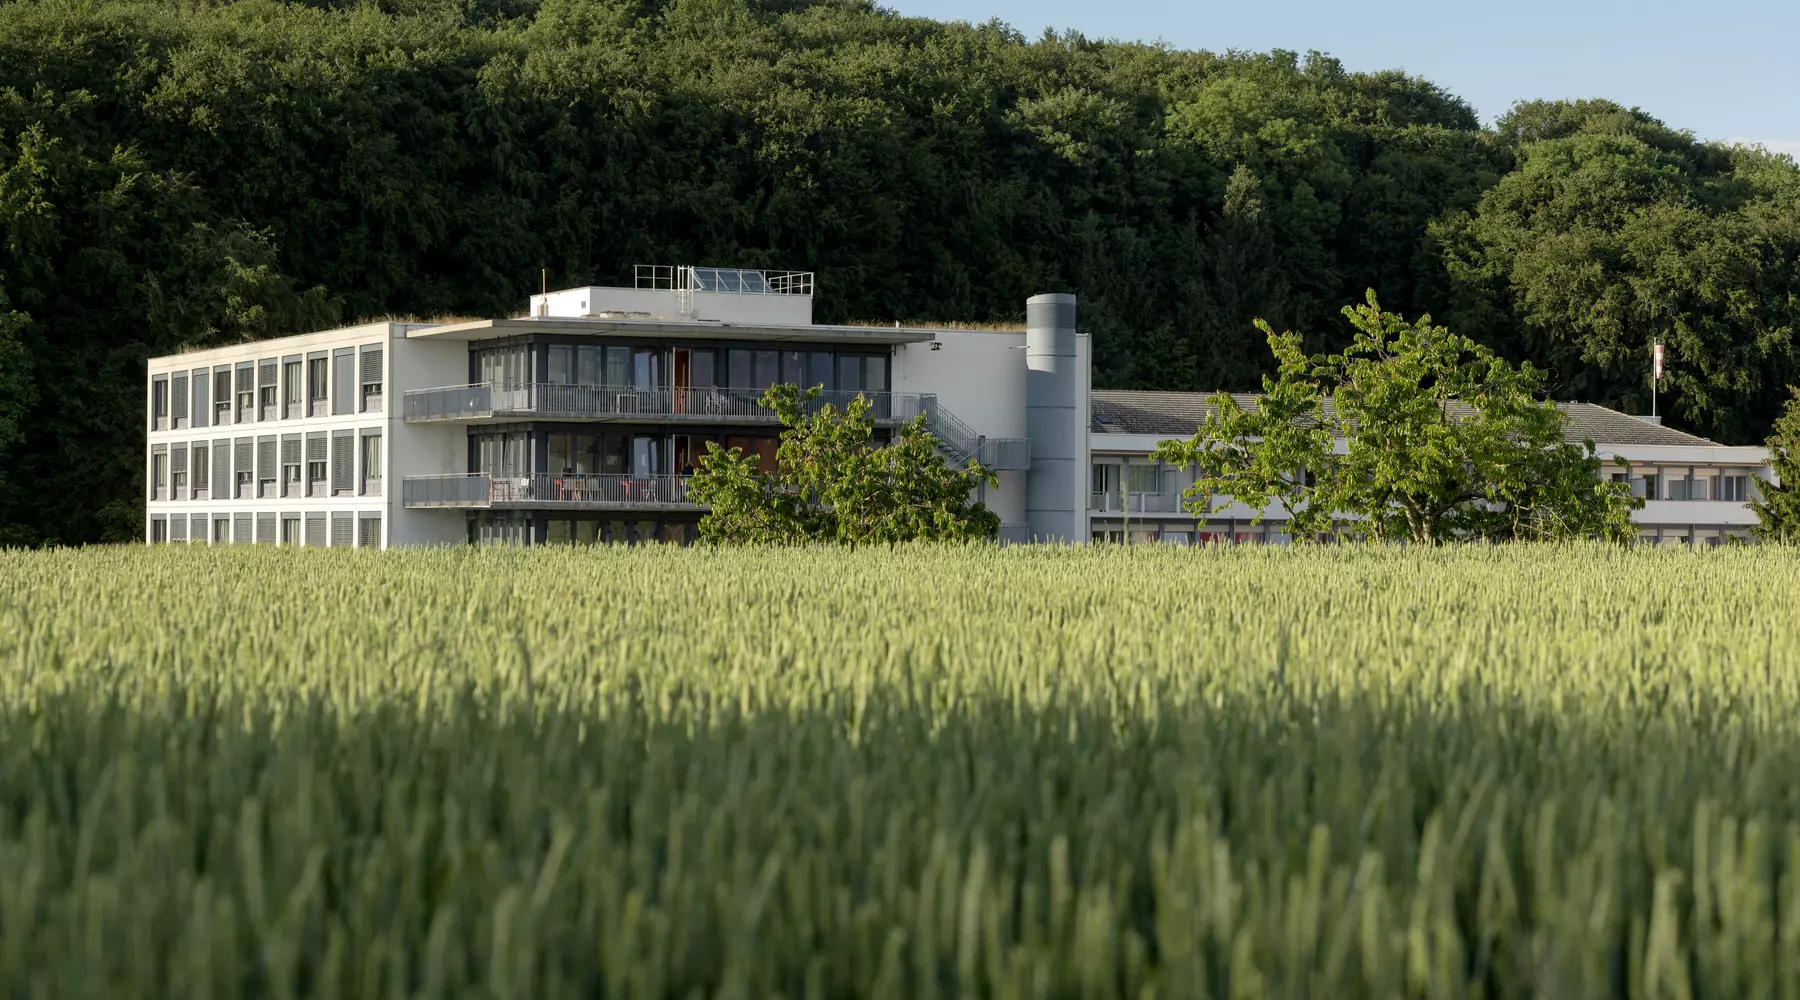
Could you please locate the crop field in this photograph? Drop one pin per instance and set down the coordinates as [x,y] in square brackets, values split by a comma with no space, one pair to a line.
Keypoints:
[1011,773]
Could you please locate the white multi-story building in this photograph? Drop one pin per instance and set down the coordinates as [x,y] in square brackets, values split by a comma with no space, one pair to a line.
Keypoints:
[580,421]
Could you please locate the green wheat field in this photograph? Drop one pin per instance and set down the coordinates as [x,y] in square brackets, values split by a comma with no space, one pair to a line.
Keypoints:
[915,773]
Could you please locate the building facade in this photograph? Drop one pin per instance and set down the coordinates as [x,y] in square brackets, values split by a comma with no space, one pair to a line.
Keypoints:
[581,421]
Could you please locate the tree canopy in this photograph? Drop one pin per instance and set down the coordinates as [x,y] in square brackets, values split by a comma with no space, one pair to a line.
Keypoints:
[1778,507]
[1411,432]
[832,482]
[187,175]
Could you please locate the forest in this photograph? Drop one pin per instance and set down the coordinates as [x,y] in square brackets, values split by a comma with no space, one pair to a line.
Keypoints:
[191,174]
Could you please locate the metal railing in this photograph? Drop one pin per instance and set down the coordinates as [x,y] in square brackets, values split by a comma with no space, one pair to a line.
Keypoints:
[961,443]
[605,402]
[479,489]
[1136,503]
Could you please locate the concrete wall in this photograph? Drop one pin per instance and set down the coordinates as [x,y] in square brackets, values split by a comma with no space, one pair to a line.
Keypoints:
[424,449]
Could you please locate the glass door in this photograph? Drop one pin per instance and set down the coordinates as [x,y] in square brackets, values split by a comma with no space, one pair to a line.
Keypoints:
[683,373]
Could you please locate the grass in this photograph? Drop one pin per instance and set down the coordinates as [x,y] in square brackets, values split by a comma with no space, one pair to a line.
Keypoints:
[917,773]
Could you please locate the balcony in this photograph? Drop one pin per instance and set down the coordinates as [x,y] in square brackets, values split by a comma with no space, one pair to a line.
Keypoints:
[547,492]
[1135,503]
[543,401]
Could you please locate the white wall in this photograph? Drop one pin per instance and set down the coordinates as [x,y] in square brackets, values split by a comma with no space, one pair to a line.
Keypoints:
[978,376]
[665,304]
[423,449]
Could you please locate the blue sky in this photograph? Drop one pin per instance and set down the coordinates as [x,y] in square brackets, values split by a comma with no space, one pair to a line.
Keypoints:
[1722,70]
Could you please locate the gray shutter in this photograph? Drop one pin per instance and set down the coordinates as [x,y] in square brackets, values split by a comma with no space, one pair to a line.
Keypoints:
[178,398]
[159,491]
[241,528]
[265,529]
[202,477]
[221,469]
[371,379]
[268,375]
[315,452]
[315,527]
[178,462]
[343,529]
[159,402]
[343,380]
[293,370]
[178,528]
[368,531]
[197,528]
[202,398]
[265,466]
[243,465]
[343,462]
[290,458]
[159,530]
[221,396]
[246,383]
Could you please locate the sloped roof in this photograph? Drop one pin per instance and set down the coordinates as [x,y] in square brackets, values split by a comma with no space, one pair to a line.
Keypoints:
[1121,411]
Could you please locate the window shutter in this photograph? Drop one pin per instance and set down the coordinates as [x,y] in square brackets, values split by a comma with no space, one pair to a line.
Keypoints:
[202,397]
[265,465]
[197,525]
[368,531]
[343,462]
[178,528]
[343,529]
[202,477]
[221,469]
[159,472]
[246,385]
[371,379]
[265,529]
[343,380]
[315,527]
[178,397]
[178,465]
[241,527]
[290,449]
[243,462]
[267,379]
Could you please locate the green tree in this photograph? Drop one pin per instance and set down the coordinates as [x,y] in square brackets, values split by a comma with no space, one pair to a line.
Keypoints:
[832,482]
[1412,432]
[1778,507]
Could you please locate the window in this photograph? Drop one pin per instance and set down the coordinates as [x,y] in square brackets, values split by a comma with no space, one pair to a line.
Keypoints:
[159,473]
[562,364]
[793,368]
[266,466]
[315,528]
[343,529]
[818,370]
[1734,488]
[850,374]
[316,466]
[243,529]
[371,464]
[588,365]
[368,531]
[291,388]
[178,401]
[343,463]
[291,484]
[202,399]
[178,526]
[266,389]
[246,393]
[221,469]
[178,472]
[221,396]
[159,530]
[221,530]
[766,370]
[200,474]
[1105,479]
[243,463]
[316,367]
[1677,488]
[290,529]
[370,396]
[265,529]
[159,404]
[1646,485]
[343,381]
[703,371]
[197,528]
[1144,479]
[737,368]
[1697,488]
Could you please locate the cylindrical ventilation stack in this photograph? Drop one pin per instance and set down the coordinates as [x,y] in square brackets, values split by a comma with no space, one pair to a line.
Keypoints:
[1052,384]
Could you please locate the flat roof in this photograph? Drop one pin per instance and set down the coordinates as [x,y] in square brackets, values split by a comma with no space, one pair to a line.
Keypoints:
[1123,411]
[494,329]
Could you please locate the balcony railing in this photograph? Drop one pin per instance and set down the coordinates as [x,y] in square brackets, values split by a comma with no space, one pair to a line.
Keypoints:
[604,402]
[546,491]
[1135,503]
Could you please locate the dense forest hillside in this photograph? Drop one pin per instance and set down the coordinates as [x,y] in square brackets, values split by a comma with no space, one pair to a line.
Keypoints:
[175,175]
